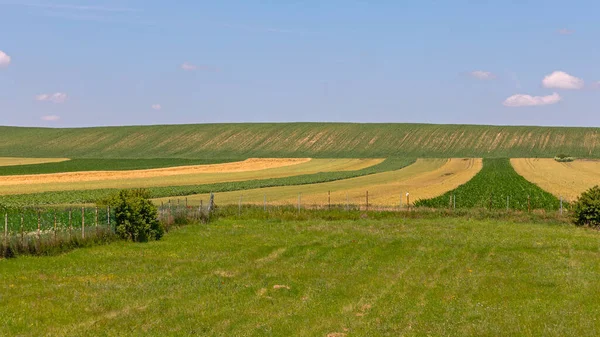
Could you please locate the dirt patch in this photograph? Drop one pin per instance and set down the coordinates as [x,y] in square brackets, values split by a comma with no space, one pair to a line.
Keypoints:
[225,274]
[280,286]
[273,256]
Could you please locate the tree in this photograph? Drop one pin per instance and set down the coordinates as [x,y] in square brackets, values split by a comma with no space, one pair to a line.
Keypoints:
[586,210]
[136,216]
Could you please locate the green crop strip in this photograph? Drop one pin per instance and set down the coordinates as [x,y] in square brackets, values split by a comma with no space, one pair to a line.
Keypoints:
[92,196]
[496,186]
[82,165]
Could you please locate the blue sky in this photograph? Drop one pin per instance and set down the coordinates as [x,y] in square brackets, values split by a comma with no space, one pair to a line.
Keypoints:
[88,63]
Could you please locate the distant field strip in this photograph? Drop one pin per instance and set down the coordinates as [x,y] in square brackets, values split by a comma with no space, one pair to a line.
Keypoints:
[179,176]
[13,161]
[561,179]
[426,178]
[93,195]
[103,164]
[493,187]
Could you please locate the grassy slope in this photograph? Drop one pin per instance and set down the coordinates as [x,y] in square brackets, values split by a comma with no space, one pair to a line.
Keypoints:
[496,181]
[300,140]
[444,277]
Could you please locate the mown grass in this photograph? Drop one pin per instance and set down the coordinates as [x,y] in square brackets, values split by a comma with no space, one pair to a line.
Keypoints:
[82,165]
[92,196]
[366,277]
[314,140]
[491,187]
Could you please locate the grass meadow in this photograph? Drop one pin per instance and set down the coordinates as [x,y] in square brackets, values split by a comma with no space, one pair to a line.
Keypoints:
[266,277]
[313,140]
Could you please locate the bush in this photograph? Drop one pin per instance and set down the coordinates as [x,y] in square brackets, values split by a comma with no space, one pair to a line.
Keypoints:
[564,158]
[586,210]
[136,216]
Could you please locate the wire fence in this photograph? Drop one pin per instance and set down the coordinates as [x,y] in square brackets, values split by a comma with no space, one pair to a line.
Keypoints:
[368,202]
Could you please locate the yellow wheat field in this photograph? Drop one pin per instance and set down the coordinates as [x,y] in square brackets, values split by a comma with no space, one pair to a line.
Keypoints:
[13,161]
[568,180]
[426,178]
[179,176]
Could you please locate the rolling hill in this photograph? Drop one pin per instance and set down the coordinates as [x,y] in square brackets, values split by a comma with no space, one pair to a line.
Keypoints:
[320,140]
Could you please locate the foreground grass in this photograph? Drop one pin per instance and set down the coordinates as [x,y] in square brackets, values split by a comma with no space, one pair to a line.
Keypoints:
[311,278]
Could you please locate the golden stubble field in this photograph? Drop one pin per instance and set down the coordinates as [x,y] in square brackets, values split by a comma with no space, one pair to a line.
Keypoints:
[426,178]
[250,169]
[11,161]
[568,180]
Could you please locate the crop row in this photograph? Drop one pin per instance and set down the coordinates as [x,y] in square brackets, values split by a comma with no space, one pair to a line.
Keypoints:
[92,196]
[496,186]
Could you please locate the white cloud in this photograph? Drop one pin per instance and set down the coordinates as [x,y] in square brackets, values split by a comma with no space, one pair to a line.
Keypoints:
[565,31]
[51,118]
[188,66]
[562,80]
[528,100]
[482,75]
[58,97]
[4,59]
[156,106]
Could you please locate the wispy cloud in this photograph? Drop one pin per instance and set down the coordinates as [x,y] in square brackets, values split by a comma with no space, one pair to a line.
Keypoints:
[50,118]
[157,107]
[565,31]
[71,7]
[58,97]
[482,75]
[79,12]
[562,80]
[521,100]
[189,67]
[4,59]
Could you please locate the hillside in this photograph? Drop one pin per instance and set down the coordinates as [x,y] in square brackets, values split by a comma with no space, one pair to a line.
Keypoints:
[300,140]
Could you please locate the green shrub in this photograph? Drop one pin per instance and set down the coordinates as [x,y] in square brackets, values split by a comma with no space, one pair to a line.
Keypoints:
[564,158]
[136,216]
[586,210]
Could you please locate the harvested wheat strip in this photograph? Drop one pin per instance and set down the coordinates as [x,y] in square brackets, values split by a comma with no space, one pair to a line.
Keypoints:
[426,178]
[253,164]
[568,180]
[14,161]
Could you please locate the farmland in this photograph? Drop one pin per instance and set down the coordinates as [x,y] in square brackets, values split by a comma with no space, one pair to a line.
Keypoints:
[425,178]
[57,165]
[497,186]
[568,180]
[304,140]
[93,195]
[180,176]
[15,161]
[251,277]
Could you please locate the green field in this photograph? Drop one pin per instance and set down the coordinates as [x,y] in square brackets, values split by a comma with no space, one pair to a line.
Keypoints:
[82,165]
[496,186]
[389,277]
[322,140]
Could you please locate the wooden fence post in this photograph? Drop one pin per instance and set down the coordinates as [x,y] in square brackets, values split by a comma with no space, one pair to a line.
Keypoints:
[329,199]
[39,231]
[83,222]
[6,231]
[22,231]
[70,223]
[55,226]
[367,195]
